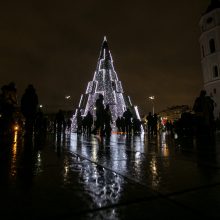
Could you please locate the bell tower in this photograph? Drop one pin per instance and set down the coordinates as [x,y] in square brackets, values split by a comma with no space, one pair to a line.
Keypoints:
[210,52]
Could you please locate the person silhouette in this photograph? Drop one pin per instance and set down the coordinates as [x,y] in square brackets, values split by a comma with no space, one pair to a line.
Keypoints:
[150,124]
[99,123]
[128,124]
[89,122]
[79,119]
[69,123]
[118,124]
[8,104]
[29,107]
[203,108]
[107,121]
[60,120]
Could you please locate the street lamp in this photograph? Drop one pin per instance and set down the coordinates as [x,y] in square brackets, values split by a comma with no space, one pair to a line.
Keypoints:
[67,97]
[152,100]
[67,102]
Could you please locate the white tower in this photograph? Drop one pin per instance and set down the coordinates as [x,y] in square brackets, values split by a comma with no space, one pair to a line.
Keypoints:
[210,52]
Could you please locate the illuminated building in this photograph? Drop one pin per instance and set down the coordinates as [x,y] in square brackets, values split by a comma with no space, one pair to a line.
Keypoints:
[174,113]
[105,81]
[210,52]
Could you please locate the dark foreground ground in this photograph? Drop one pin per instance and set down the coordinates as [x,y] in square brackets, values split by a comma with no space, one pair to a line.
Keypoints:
[80,177]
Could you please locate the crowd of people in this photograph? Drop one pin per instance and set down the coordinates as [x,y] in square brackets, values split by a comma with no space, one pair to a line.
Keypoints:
[198,122]
[103,124]
[8,104]
[26,114]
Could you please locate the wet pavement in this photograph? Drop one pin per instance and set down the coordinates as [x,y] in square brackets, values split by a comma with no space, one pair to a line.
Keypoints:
[122,177]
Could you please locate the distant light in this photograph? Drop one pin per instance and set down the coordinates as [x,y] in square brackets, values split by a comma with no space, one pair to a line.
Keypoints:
[16,128]
[67,97]
[175,136]
[41,106]
[151,97]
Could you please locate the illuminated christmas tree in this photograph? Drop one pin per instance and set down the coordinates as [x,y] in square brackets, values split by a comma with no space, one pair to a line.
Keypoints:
[105,82]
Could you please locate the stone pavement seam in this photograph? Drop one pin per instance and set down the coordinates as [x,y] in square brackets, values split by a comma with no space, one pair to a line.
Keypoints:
[192,189]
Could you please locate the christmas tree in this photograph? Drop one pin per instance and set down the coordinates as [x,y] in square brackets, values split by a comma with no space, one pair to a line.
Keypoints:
[105,81]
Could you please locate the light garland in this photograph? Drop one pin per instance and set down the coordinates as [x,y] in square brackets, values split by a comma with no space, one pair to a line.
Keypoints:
[105,82]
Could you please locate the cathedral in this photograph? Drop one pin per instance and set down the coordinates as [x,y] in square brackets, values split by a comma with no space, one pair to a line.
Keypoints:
[105,81]
[210,52]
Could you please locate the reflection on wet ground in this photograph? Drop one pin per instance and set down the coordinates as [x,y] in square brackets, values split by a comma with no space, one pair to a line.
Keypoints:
[103,178]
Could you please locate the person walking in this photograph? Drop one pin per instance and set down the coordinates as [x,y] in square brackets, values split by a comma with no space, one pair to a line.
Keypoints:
[99,123]
[203,108]
[29,107]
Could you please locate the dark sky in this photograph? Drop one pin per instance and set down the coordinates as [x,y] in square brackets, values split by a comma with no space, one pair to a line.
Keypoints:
[55,46]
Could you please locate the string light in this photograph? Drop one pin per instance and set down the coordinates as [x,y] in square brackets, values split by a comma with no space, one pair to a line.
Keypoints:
[105,82]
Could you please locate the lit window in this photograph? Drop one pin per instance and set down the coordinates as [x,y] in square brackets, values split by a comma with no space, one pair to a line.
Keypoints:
[215,71]
[212,45]
[209,20]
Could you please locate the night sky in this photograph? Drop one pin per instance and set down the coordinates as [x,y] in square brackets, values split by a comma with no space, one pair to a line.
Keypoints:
[54,45]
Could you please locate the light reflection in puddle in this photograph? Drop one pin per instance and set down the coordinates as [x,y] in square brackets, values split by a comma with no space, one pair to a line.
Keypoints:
[103,186]
[154,171]
[14,155]
[132,156]
[164,144]
[38,164]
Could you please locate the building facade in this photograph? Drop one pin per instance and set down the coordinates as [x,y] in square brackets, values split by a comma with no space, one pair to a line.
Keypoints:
[174,113]
[210,52]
